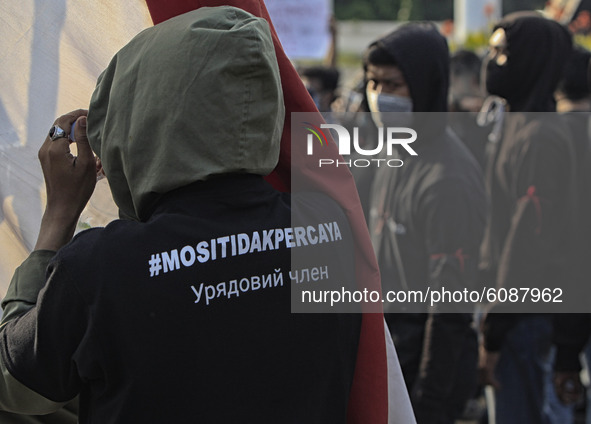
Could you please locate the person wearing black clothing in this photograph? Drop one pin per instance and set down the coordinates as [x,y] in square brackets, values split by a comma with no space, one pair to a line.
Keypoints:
[572,331]
[322,84]
[528,239]
[180,311]
[426,219]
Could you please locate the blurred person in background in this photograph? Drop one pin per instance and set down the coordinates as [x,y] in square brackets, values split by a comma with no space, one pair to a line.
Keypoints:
[322,83]
[426,218]
[572,331]
[527,243]
[465,101]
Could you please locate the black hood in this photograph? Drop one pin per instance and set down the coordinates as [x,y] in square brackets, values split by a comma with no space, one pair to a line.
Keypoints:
[422,55]
[575,79]
[537,50]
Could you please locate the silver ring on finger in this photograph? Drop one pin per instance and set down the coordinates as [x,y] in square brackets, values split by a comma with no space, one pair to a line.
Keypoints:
[56,132]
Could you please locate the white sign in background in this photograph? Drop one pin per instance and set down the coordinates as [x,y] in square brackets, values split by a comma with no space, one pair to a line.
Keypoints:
[303,26]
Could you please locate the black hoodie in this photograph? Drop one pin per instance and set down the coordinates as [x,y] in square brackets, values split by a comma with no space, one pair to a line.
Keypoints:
[422,55]
[433,208]
[530,172]
[538,49]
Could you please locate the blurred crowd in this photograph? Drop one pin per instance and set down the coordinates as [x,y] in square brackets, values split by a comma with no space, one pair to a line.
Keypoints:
[498,195]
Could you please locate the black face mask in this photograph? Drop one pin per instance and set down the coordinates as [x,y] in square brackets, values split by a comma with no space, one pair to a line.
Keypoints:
[531,51]
[498,80]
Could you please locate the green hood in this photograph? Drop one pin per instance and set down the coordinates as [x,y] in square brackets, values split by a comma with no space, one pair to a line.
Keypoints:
[196,96]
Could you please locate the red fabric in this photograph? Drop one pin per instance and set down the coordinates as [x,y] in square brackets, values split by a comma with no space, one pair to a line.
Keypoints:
[531,195]
[461,258]
[369,400]
[459,255]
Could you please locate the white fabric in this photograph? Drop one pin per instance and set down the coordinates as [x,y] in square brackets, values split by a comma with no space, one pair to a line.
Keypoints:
[51,52]
[399,406]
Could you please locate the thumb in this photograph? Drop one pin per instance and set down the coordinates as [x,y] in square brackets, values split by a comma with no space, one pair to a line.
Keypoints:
[84,150]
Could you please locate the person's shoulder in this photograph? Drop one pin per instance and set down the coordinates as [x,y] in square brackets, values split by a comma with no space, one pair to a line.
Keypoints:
[452,167]
[94,241]
[546,140]
[539,129]
[312,204]
[454,179]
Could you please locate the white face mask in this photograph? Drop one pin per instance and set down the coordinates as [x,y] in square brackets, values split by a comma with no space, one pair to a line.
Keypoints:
[389,110]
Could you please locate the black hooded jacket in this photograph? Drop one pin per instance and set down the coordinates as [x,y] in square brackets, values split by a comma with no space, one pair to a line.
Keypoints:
[572,331]
[183,314]
[422,55]
[426,222]
[538,49]
[530,172]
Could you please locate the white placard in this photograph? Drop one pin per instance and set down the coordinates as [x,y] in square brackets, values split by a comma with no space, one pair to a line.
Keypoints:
[303,26]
